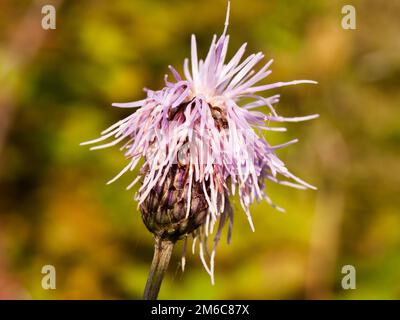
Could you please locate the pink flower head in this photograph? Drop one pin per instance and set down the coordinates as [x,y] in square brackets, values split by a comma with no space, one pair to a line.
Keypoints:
[200,121]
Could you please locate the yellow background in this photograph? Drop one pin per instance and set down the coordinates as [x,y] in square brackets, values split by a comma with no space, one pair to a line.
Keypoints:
[56,91]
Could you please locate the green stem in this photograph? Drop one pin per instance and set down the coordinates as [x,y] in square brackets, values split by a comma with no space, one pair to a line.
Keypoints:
[162,255]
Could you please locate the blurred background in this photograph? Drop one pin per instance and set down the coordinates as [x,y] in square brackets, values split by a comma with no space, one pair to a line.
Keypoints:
[56,91]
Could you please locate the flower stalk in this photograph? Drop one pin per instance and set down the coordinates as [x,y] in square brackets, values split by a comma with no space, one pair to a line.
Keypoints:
[162,255]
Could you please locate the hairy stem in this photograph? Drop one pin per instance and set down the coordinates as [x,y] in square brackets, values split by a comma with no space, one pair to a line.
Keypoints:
[162,255]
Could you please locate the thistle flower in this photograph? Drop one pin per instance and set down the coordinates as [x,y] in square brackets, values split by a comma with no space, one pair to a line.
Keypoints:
[201,141]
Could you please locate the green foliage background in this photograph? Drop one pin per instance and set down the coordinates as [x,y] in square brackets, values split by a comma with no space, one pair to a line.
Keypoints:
[54,205]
